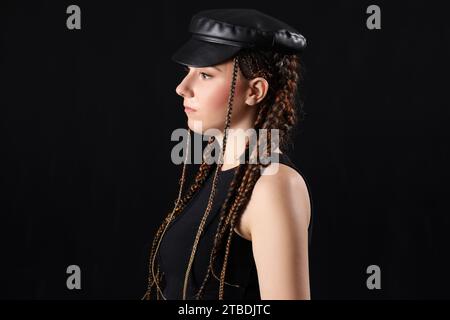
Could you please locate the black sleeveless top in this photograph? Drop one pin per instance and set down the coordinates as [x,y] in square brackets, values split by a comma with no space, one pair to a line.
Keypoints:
[241,280]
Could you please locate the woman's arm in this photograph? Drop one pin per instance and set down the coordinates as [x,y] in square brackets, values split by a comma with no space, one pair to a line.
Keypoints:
[278,223]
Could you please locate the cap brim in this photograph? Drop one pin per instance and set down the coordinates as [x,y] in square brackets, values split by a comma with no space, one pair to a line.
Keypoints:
[198,53]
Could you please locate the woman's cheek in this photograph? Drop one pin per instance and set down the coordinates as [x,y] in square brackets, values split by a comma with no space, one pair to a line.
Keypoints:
[218,98]
[213,104]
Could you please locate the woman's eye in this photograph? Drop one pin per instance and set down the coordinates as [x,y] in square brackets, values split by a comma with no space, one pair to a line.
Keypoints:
[205,75]
[202,74]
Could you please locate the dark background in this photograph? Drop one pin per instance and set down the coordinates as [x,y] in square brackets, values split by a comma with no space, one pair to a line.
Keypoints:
[85,123]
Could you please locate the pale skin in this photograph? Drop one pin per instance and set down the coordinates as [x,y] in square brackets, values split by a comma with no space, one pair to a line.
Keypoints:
[277,216]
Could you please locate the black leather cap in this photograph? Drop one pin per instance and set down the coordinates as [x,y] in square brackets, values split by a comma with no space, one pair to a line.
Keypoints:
[218,35]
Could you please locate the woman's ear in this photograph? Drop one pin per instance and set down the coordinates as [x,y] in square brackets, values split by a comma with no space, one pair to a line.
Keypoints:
[258,88]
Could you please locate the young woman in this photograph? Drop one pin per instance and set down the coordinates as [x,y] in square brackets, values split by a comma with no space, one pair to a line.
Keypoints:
[241,231]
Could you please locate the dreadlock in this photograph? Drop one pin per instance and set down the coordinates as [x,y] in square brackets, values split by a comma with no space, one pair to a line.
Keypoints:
[278,110]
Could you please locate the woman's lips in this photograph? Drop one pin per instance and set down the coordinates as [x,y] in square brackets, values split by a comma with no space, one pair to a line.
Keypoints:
[189,109]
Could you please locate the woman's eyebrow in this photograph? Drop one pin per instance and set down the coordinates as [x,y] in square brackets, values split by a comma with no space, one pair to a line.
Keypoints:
[214,67]
[217,68]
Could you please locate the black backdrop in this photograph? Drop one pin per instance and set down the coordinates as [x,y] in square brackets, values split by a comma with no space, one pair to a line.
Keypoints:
[86,117]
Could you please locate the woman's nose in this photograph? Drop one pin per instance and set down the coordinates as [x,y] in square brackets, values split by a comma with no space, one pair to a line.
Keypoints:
[183,90]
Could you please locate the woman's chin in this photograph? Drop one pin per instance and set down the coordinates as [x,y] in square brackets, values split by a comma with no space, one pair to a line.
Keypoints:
[195,126]
[200,127]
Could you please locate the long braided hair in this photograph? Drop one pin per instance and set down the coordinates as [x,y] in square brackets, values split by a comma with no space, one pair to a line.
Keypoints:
[278,110]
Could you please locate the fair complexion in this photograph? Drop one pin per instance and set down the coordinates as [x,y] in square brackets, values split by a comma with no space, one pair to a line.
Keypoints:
[277,216]
[207,91]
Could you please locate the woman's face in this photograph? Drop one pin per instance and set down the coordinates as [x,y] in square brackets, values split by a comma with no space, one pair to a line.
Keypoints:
[206,90]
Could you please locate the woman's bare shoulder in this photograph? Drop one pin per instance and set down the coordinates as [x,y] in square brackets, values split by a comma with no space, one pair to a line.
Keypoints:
[280,193]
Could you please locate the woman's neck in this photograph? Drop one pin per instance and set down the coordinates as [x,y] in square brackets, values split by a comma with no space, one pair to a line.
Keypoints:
[236,142]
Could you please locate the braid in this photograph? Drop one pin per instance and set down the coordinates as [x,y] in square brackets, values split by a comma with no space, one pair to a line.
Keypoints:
[231,193]
[248,182]
[179,204]
[283,115]
[214,183]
